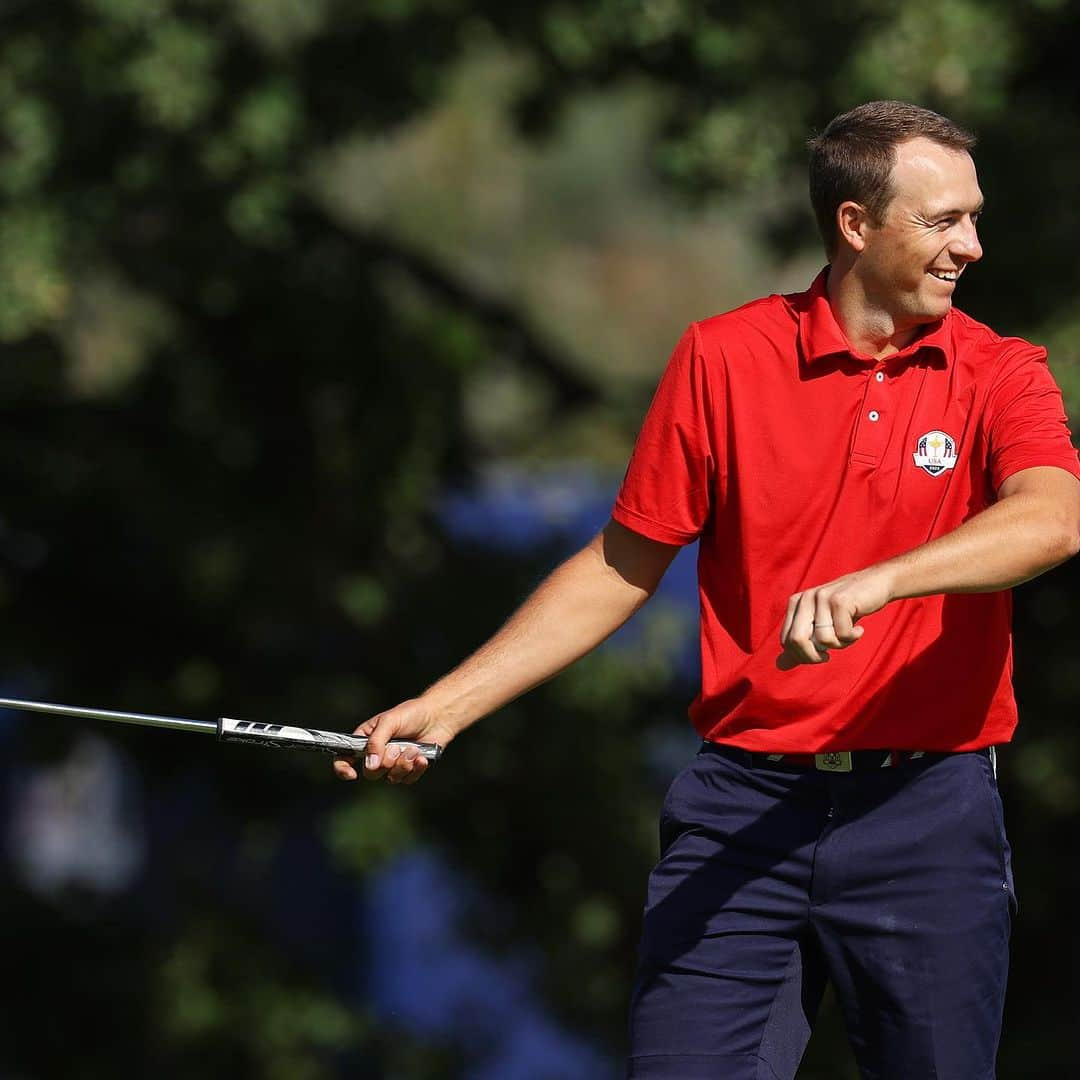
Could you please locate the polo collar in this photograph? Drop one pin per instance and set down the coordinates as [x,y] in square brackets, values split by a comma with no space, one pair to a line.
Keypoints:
[820,335]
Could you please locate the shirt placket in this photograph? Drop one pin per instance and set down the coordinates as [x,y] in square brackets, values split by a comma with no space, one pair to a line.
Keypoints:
[877,413]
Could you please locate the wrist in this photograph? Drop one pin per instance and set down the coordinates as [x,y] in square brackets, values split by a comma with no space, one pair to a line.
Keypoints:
[891,580]
[441,714]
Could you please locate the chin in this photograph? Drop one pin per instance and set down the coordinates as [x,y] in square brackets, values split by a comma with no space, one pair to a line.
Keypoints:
[933,309]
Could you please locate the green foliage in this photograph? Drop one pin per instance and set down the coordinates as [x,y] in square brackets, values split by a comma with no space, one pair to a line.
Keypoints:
[30,144]
[366,834]
[960,52]
[215,996]
[281,25]
[173,75]
[33,289]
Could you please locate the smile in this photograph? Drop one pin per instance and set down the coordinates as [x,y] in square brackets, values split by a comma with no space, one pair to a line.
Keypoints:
[945,275]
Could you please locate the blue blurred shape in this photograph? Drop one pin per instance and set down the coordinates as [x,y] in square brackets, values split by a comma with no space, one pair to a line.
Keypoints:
[427,977]
[518,510]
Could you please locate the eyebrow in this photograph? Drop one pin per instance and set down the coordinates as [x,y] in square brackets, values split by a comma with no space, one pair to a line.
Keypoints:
[956,211]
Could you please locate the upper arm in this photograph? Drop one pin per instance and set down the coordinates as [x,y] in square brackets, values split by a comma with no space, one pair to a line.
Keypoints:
[1058,489]
[636,559]
[674,477]
[1025,419]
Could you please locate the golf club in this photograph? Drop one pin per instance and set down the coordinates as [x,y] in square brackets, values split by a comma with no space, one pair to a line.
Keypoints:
[275,736]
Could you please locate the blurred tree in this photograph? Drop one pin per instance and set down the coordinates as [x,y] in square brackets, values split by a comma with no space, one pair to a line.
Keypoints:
[227,420]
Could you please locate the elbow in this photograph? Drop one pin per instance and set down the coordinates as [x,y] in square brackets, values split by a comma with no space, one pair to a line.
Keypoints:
[1070,534]
[1071,542]
[1058,527]
[1063,542]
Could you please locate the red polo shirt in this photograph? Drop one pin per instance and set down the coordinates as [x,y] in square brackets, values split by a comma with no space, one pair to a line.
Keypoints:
[795,460]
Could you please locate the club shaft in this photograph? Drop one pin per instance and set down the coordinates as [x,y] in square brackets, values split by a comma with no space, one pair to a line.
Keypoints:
[177,723]
[279,736]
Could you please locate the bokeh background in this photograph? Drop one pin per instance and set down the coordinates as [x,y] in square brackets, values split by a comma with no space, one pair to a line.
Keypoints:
[325,329]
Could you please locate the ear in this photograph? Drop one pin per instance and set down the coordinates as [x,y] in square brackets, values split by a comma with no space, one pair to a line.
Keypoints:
[852,225]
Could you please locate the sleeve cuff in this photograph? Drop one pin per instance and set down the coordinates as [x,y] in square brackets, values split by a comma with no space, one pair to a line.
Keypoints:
[1069,465]
[650,529]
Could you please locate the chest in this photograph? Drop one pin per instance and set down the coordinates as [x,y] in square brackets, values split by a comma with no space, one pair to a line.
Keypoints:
[861,446]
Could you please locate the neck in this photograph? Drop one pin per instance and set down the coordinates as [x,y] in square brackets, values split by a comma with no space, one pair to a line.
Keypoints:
[870,328]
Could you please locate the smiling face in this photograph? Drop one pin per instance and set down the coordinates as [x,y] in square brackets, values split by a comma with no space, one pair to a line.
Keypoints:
[908,264]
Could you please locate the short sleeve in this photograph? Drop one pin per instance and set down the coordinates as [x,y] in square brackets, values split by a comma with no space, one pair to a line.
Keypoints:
[670,484]
[1026,424]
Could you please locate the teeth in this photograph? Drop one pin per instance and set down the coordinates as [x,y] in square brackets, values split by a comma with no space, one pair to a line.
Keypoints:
[944,275]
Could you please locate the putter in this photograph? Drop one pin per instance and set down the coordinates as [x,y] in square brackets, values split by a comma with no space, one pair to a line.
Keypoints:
[274,736]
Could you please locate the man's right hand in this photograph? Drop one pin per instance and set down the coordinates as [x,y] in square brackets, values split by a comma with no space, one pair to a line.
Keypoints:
[410,720]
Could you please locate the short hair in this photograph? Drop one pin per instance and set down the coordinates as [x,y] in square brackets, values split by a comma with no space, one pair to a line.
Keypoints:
[854,156]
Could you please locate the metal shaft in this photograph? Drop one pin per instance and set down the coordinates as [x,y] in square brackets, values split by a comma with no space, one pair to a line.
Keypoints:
[278,736]
[177,723]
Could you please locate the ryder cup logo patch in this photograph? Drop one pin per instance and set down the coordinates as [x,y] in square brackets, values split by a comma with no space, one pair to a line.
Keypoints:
[936,452]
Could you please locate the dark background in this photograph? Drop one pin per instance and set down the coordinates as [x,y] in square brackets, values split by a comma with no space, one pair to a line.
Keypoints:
[326,328]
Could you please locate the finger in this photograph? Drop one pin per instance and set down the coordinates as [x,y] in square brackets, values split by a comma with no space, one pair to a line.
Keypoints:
[408,763]
[792,620]
[387,759]
[420,766]
[791,658]
[379,732]
[824,632]
[368,726]
[789,617]
[844,616]
[402,763]
[800,643]
[344,769]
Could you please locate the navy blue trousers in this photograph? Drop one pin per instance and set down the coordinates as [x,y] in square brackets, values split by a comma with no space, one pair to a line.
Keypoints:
[894,884]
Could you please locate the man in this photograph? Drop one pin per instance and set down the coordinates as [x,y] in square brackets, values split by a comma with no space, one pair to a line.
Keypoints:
[868,472]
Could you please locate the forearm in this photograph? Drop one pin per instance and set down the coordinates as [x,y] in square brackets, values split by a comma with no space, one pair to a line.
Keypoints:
[1012,541]
[575,608]
[1034,525]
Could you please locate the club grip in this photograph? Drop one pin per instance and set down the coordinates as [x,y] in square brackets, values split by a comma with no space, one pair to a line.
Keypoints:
[283,737]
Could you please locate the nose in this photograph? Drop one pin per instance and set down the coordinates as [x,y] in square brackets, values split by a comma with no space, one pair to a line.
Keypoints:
[966,245]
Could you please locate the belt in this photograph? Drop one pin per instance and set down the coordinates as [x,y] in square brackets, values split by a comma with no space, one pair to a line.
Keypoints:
[833,761]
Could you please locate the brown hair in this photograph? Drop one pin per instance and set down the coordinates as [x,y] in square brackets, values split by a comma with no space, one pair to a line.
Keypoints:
[854,156]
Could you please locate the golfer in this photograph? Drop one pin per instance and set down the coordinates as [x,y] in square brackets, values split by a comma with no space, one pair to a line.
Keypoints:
[867,471]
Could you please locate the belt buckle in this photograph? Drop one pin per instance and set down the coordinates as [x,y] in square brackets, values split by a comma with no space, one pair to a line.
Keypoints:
[836,761]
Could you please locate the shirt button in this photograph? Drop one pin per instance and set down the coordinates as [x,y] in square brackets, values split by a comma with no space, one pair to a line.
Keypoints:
[880,376]
[875,416]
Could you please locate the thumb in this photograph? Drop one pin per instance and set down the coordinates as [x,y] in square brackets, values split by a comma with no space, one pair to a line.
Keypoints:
[379,731]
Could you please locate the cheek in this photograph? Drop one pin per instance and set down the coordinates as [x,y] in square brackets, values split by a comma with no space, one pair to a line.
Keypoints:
[915,262]
[902,269]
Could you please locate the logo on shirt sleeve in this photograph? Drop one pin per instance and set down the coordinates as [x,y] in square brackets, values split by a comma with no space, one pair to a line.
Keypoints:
[936,452]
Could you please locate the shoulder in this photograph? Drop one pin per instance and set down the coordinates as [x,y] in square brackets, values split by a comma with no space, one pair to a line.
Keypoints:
[986,350]
[770,318]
